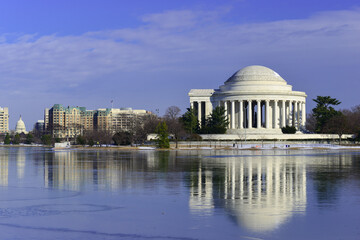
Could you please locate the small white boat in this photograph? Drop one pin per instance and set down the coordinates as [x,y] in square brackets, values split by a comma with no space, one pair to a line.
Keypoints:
[61,146]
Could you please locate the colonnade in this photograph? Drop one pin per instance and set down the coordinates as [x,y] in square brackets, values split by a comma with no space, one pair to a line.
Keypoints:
[269,114]
[203,109]
[257,113]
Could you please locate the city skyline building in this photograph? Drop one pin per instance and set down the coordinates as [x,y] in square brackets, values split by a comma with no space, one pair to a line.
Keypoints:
[4,120]
[70,122]
[39,126]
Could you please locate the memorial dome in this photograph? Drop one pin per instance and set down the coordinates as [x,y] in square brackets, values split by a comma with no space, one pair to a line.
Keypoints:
[255,79]
[20,126]
[256,100]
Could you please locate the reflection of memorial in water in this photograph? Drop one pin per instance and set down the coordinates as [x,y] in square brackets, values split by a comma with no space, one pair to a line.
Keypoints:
[260,193]
[201,192]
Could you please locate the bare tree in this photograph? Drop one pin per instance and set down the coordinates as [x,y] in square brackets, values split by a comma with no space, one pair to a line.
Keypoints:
[175,126]
[144,126]
[172,113]
[99,136]
[337,125]
[310,122]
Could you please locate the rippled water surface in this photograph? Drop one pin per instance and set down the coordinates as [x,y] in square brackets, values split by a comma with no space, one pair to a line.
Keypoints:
[270,194]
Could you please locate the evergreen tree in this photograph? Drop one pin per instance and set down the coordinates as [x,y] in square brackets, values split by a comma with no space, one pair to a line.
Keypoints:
[7,139]
[16,139]
[324,111]
[81,140]
[46,139]
[163,135]
[29,138]
[288,129]
[190,121]
[217,122]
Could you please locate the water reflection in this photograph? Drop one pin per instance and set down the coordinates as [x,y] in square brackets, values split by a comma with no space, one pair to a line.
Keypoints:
[74,170]
[20,162]
[328,172]
[4,168]
[258,193]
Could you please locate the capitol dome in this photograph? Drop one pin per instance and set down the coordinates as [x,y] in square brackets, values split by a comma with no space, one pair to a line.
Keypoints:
[255,78]
[20,126]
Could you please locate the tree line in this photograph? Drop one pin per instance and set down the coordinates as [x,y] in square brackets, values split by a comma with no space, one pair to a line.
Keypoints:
[324,118]
[175,126]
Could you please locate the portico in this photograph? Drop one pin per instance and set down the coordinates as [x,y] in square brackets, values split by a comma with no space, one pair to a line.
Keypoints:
[256,99]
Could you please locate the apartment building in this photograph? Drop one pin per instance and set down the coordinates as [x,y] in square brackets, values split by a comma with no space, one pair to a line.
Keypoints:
[4,120]
[69,122]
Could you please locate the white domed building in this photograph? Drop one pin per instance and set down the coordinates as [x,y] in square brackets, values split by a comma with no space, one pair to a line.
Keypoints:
[257,100]
[20,127]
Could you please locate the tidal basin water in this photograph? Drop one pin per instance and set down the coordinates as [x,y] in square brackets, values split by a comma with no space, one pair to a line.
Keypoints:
[198,194]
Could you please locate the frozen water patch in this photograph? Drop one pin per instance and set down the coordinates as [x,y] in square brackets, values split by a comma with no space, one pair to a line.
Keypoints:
[8,193]
[53,209]
[88,234]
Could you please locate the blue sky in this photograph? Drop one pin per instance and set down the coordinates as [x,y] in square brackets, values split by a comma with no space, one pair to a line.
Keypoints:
[147,54]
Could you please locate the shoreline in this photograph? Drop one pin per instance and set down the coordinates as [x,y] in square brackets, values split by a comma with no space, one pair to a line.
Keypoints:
[190,148]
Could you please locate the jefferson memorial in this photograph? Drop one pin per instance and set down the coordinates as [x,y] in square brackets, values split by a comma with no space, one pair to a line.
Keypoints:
[257,100]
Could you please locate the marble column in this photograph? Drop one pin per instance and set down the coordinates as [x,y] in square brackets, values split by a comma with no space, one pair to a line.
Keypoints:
[226,111]
[208,109]
[299,115]
[283,123]
[192,105]
[295,115]
[276,114]
[267,122]
[303,111]
[199,112]
[232,114]
[287,113]
[292,113]
[241,114]
[258,114]
[249,114]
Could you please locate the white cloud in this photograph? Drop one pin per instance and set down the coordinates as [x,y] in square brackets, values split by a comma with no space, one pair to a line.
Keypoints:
[177,41]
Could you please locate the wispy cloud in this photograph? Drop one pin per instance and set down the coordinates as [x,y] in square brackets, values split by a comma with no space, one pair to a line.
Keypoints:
[172,42]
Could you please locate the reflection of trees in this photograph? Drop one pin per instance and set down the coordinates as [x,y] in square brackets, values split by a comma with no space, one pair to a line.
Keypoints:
[328,176]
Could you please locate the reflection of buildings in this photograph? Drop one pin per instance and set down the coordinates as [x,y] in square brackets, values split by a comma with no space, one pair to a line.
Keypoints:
[201,192]
[269,191]
[4,167]
[20,162]
[259,193]
[73,170]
